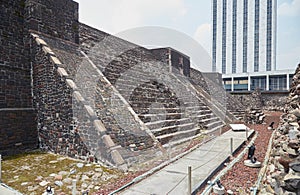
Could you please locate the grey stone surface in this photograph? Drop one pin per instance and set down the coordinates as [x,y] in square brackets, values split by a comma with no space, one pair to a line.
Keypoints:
[203,161]
[286,151]
[295,166]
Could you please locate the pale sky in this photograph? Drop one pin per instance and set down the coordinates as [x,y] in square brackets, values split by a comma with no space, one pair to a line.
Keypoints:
[191,17]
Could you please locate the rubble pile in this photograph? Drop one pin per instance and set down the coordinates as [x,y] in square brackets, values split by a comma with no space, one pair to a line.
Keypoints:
[254,116]
[272,103]
[283,173]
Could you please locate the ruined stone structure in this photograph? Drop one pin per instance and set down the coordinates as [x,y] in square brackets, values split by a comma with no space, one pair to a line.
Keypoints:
[78,91]
[174,59]
[284,165]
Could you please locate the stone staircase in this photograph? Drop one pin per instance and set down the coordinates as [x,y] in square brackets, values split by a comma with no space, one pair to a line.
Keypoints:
[108,138]
[117,102]
[206,113]
[170,111]
[213,89]
[129,103]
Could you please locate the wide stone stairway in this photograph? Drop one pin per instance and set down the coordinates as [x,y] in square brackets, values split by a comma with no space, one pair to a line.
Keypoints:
[130,102]
[162,100]
[212,88]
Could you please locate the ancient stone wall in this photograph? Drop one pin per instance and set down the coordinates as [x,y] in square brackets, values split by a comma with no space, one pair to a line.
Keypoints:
[53,17]
[18,131]
[266,101]
[54,103]
[88,35]
[274,102]
[15,91]
[181,62]
[17,117]
[211,85]
[284,165]
[199,79]
[166,103]
[178,61]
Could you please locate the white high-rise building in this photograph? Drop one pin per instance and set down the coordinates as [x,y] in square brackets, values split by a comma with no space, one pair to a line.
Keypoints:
[244,36]
[244,45]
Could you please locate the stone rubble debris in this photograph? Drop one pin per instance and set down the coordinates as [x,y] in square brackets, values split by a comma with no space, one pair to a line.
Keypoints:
[283,173]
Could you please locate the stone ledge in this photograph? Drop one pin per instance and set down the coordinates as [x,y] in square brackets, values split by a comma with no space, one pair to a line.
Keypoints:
[71,84]
[117,158]
[62,72]
[99,126]
[55,60]
[40,41]
[90,111]
[47,50]
[109,143]
[34,35]
[78,96]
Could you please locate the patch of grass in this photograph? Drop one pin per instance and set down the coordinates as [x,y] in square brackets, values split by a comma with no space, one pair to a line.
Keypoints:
[21,172]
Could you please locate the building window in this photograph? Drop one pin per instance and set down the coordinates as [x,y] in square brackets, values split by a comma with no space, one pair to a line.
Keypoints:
[227,84]
[224,18]
[258,83]
[245,35]
[234,9]
[256,37]
[214,45]
[241,84]
[277,83]
[291,80]
[269,36]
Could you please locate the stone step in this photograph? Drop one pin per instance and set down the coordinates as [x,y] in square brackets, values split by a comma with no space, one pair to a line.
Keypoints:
[153,117]
[146,108]
[203,116]
[159,97]
[161,114]
[130,81]
[179,135]
[217,128]
[212,125]
[136,76]
[170,122]
[164,108]
[142,110]
[173,128]
[209,120]
[132,74]
[116,67]
[127,90]
[200,106]
[201,112]
[180,141]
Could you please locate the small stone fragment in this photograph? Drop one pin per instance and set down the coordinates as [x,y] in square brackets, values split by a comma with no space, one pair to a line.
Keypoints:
[58,177]
[43,183]
[79,165]
[58,183]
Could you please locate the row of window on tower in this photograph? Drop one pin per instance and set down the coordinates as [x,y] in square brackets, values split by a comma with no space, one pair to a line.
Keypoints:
[275,83]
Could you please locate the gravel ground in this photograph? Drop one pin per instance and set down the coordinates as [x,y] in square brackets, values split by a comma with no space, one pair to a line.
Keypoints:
[241,178]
